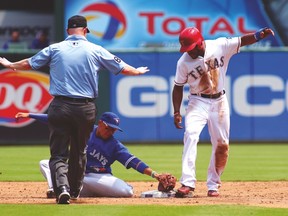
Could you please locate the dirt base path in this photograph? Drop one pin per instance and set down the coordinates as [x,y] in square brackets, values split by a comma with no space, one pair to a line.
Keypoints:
[264,194]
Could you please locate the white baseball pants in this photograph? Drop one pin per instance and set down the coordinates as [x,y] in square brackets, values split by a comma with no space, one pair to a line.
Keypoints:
[199,112]
[94,184]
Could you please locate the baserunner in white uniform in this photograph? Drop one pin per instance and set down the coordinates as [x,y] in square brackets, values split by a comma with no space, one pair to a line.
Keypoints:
[203,67]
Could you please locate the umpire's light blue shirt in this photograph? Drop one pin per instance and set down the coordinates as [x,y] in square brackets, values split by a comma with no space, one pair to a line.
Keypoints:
[74,66]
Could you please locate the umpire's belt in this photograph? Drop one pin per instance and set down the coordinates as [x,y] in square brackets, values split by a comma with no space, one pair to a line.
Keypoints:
[211,96]
[80,100]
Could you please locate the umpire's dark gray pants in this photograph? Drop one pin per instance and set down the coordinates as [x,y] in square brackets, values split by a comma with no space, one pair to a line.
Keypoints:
[70,124]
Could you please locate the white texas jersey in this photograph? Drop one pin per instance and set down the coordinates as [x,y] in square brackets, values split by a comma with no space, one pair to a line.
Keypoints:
[206,74]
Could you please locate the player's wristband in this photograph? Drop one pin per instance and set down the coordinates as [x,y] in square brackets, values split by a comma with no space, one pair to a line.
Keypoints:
[153,174]
[257,34]
[176,113]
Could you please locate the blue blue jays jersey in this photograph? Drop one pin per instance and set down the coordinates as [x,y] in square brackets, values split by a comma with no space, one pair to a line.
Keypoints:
[101,154]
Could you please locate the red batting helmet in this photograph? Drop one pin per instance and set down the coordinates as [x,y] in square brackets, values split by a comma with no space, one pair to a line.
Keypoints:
[189,38]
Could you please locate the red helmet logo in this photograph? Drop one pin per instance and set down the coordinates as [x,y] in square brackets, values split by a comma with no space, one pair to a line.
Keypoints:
[189,38]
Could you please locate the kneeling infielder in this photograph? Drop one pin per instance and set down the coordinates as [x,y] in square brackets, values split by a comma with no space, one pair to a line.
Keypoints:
[102,150]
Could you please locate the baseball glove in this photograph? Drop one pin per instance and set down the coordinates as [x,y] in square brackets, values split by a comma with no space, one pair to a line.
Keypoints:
[167,182]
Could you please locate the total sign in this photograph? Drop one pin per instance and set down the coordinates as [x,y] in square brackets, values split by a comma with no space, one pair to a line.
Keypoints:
[258,101]
[150,23]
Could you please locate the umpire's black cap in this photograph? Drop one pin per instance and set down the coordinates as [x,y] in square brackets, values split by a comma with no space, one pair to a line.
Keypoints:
[77,21]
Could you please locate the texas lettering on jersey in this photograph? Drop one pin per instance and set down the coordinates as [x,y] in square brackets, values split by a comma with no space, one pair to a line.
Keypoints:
[211,64]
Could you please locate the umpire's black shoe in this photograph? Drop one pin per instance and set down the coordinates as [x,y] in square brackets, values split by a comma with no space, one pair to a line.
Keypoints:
[75,194]
[64,197]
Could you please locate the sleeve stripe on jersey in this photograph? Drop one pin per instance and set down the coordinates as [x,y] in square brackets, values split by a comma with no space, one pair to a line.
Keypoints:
[239,44]
[129,160]
[179,84]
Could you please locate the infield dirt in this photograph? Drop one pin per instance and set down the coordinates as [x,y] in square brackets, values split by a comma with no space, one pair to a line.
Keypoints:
[263,194]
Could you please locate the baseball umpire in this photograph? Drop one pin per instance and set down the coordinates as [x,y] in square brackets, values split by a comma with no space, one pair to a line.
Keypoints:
[74,69]
[203,67]
[103,150]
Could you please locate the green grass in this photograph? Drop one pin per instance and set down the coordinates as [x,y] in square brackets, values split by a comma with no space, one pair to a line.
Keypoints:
[21,163]
[144,210]
[247,162]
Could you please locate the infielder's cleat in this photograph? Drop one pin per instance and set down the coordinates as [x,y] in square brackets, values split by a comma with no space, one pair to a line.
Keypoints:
[64,197]
[50,194]
[184,192]
[213,193]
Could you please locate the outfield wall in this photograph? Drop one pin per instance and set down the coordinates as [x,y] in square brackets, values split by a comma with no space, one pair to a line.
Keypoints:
[256,87]
[256,84]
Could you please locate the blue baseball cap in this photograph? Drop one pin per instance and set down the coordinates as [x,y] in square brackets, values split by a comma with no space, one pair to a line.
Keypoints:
[111,119]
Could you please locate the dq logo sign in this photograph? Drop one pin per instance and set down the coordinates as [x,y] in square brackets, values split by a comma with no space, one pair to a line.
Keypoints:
[22,92]
[105,15]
